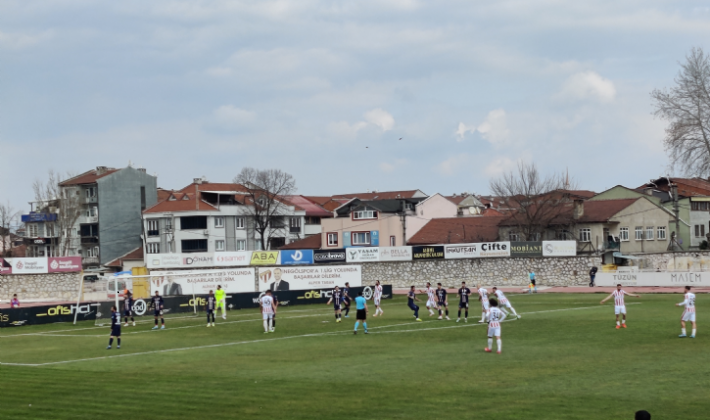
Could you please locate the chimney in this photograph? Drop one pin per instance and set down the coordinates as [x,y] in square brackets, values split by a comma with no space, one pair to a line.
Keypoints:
[197,180]
[578,209]
[142,170]
[100,170]
[648,190]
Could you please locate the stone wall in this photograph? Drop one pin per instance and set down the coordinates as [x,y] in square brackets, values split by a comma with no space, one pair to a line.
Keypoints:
[675,261]
[56,286]
[569,271]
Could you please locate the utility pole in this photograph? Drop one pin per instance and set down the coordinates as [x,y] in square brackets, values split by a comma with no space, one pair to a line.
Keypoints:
[674,192]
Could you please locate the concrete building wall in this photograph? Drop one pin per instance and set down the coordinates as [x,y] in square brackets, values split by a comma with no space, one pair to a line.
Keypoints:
[643,214]
[387,224]
[436,206]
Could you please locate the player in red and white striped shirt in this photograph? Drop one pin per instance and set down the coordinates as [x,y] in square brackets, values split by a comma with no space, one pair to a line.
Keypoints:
[688,313]
[619,306]
[431,301]
[377,297]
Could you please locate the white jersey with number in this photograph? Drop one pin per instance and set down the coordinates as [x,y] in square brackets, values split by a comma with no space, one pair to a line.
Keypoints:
[501,297]
[689,303]
[483,293]
[495,316]
[266,304]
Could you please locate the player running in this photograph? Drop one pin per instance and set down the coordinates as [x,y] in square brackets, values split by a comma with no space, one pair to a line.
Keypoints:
[619,306]
[495,317]
[220,295]
[335,297]
[128,308]
[267,310]
[376,298]
[345,299]
[442,302]
[210,308]
[361,306]
[504,301]
[115,329]
[688,313]
[464,292]
[431,299]
[483,298]
[157,303]
[411,297]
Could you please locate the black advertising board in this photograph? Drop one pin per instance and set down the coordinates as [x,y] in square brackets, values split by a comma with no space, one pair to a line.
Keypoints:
[526,249]
[323,256]
[428,252]
[34,315]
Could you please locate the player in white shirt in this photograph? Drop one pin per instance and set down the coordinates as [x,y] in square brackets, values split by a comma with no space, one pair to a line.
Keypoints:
[495,317]
[504,301]
[619,306]
[483,298]
[267,310]
[377,296]
[688,313]
[431,304]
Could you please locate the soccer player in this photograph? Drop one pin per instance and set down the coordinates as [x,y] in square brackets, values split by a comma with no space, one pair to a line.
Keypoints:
[533,287]
[483,298]
[210,308]
[495,317]
[619,306]
[504,301]
[335,297]
[442,302]
[128,308]
[221,301]
[688,313]
[464,292]
[276,309]
[345,299]
[115,329]
[431,298]
[361,306]
[267,310]
[157,303]
[377,297]
[411,297]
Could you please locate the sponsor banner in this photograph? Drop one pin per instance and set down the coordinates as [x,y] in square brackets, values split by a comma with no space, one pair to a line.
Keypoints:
[362,255]
[526,249]
[265,258]
[5,267]
[29,265]
[232,259]
[427,252]
[559,248]
[189,282]
[64,264]
[479,250]
[199,259]
[658,279]
[301,278]
[396,253]
[375,237]
[301,297]
[297,257]
[49,314]
[322,256]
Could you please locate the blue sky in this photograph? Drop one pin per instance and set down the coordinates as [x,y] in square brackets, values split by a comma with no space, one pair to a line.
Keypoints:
[324,90]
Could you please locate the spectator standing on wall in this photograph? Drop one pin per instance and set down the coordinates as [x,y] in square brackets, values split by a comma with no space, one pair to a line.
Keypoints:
[14,303]
[592,276]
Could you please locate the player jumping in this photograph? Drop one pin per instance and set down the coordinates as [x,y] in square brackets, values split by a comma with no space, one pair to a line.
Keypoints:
[128,308]
[267,310]
[335,296]
[464,292]
[361,306]
[220,295]
[157,304]
[442,301]
[483,298]
[411,297]
[377,297]
[431,299]
[115,329]
[504,301]
[688,313]
[495,317]
[619,306]
[210,307]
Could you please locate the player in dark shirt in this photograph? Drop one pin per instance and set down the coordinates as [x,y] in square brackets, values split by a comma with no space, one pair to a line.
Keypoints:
[157,303]
[115,329]
[335,297]
[442,303]
[411,297]
[464,292]
[345,299]
[276,308]
[210,307]
[128,308]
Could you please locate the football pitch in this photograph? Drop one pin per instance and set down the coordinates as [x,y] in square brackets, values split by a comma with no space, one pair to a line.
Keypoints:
[563,360]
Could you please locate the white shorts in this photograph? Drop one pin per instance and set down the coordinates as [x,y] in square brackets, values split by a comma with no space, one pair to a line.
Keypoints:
[377,301]
[507,304]
[688,316]
[431,304]
[268,315]
[620,310]
[494,331]
[485,305]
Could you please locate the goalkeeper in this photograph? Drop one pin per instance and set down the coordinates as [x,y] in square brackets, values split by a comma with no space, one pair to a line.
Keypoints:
[220,295]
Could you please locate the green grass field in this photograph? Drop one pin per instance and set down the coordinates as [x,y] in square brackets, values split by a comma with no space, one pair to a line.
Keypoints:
[563,360]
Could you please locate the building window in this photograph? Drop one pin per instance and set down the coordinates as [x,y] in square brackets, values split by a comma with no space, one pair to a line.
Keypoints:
[32,230]
[624,234]
[661,230]
[360,238]
[241,245]
[219,222]
[585,235]
[649,233]
[153,248]
[50,230]
[142,198]
[638,233]
[700,206]
[219,245]
[393,241]
[91,192]
[310,220]
[535,237]
[294,225]
[513,236]
[277,222]
[240,223]
[364,214]
[193,222]
[153,228]
[699,231]
[194,245]
[332,239]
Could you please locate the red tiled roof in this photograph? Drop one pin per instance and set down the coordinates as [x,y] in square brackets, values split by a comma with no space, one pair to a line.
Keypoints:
[182,202]
[164,194]
[318,200]
[311,208]
[88,177]
[688,187]
[136,254]
[456,199]
[380,195]
[491,212]
[311,242]
[215,186]
[457,230]
[595,211]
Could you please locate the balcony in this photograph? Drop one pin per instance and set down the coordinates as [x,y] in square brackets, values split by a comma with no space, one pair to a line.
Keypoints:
[612,245]
[90,260]
[153,233]
[295,229]
[89,240]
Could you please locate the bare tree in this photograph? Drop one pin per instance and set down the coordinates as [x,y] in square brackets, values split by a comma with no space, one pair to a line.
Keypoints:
[534,200]
[266,192]
[686,107]
[8,218]
[65,203]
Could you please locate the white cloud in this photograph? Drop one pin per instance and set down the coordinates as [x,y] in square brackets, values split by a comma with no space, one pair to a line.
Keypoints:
[462,130]
[232,115]
[494,128]
[451,165]
[588,85]
[499,166]
[380,118]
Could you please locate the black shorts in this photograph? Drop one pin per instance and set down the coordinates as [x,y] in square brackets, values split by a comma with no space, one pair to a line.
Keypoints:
[442,304]
[336,306]
[463,305]
[361,314]
[127,313]
[210,311]
[116,331]
[158,313]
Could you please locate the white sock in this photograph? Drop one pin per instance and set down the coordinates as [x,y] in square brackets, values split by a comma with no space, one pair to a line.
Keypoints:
[513,309]
[490,342]
[693,331]
[266,325]
[483,316]
[617,323]
[500,344]
[271,322]
[682,331]
[623,321]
